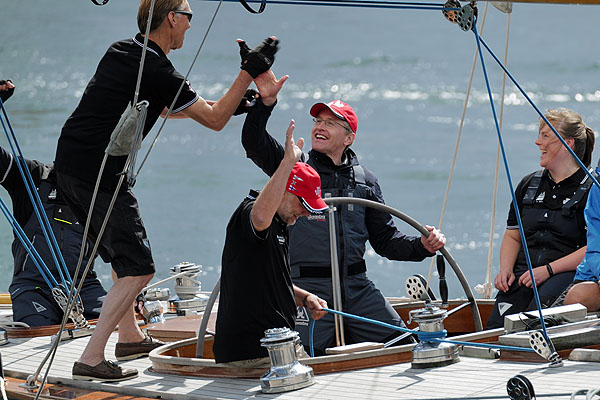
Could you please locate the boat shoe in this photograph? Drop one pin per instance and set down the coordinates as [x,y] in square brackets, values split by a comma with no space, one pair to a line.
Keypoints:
[106,371]
[129,351]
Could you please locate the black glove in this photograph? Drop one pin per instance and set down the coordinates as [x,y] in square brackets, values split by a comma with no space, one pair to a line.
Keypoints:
[249,96]
[5,94]
[259,60]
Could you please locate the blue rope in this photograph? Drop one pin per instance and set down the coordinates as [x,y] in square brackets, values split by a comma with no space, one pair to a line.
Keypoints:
[512,192]
[363,4]
[311,336]
[36,258]
[427,336]
[35,199]
[480,39]
[436,336]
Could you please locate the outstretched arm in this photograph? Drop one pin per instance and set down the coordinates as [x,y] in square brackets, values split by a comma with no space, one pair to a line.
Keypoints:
[215,115]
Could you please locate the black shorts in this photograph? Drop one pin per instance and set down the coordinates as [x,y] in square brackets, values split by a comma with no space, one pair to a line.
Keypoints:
[38,308]
[124,243]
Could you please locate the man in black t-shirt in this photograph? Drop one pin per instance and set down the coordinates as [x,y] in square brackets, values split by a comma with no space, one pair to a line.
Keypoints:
[256,288]
[81,148]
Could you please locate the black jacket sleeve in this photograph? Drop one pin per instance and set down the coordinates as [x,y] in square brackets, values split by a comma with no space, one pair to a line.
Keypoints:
[385,238]
[261,148]
[11,180]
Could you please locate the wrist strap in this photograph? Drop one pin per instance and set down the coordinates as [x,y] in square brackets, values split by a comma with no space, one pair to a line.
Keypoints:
[549,268]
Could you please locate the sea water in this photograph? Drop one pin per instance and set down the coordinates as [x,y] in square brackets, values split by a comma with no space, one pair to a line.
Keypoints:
[406,73]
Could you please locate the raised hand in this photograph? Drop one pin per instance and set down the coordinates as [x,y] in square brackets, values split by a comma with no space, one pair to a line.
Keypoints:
[293,151]
[268,86]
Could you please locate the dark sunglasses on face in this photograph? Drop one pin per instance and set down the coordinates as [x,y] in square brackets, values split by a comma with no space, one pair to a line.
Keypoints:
[188,14]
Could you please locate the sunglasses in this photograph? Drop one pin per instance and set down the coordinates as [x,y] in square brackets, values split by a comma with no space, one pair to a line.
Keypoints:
[188,14]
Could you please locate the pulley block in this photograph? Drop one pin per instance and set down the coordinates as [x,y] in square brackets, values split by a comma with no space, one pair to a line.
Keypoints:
[451,15]
[520,388]
[466,17]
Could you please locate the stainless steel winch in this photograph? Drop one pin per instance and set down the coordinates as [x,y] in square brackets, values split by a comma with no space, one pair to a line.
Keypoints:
[286,372]
[432,354]
[188,299]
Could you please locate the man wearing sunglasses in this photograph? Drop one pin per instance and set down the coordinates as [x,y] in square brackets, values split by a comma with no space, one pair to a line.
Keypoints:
[81,148]
[333,132]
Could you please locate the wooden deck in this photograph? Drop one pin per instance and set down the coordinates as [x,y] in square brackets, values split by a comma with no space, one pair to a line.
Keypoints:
[469,379]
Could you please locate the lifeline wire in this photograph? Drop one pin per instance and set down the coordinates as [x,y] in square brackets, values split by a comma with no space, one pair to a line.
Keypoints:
[351,3]
[35,200]
[512,191]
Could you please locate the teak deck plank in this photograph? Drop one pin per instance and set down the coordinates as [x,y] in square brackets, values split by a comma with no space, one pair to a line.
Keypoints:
[470,378]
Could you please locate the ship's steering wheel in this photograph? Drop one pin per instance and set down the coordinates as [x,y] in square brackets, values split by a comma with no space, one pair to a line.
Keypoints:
[412,222]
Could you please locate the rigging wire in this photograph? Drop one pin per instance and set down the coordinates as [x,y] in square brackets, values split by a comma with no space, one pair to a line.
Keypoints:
[479,40]
[542,116]
[74,293]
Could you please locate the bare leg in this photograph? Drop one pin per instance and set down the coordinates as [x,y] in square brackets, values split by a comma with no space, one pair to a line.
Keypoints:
[117,308]
[129,331]
[586,293]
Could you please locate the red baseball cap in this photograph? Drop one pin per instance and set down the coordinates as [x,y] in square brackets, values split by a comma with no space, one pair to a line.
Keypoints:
[340,109]
[305,183]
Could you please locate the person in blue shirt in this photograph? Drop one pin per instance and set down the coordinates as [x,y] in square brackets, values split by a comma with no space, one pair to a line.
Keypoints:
[585,289]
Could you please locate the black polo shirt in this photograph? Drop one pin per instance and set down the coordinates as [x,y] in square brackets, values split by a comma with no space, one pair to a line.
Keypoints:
[554,194]
[256,288]
[86,133]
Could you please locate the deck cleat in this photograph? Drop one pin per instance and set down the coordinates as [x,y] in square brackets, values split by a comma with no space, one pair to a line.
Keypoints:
[429,354]
[286,372]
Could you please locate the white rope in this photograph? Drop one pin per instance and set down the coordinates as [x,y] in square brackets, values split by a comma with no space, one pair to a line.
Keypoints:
[487,286]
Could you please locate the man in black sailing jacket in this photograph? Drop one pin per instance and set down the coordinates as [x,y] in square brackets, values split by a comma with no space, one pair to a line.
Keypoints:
[31,298]
[341,175]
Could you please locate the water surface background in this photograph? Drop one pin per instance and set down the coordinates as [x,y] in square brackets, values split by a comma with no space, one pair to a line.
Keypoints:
[405,72]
